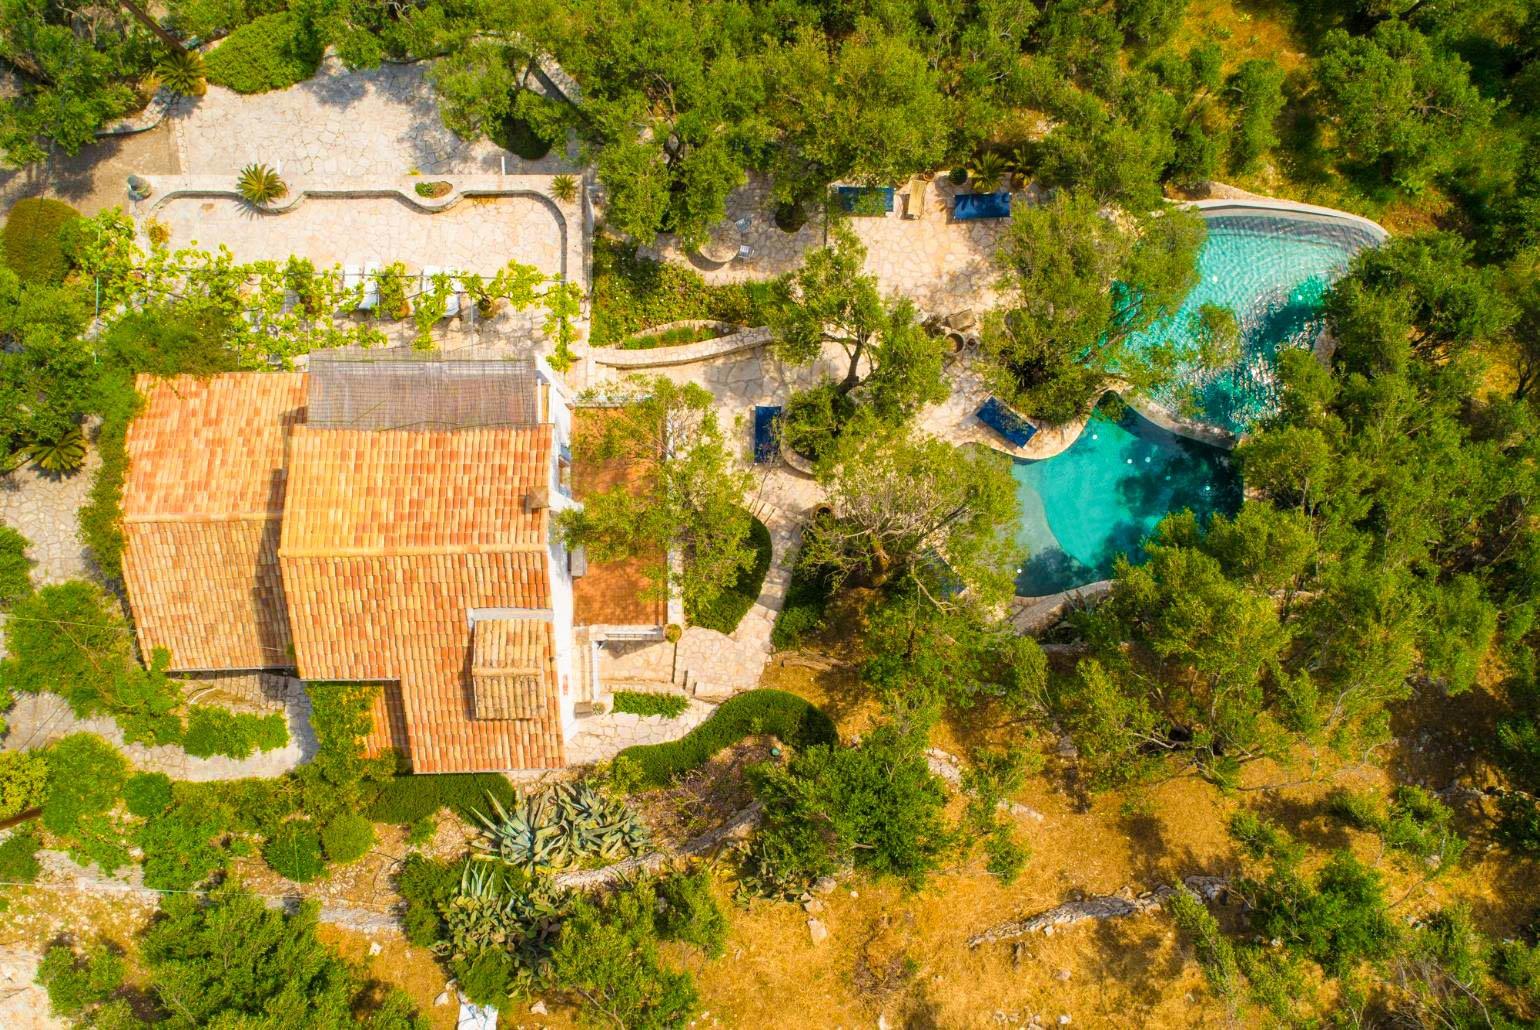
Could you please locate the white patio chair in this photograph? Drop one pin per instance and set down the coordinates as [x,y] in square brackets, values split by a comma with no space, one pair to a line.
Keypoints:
[371,298]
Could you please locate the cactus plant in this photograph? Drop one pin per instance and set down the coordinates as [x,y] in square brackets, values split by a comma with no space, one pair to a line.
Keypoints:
[561,826]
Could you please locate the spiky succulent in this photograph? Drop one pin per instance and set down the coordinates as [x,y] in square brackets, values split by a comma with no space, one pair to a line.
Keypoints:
[564,188]
[260,185]
[561,826]
[182,72]
[499,908]
[66,454]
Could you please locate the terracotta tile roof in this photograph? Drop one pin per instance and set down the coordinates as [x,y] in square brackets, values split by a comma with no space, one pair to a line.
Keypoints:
[401,492]
[513,667]
[390,539]
[616,593]
[201,506]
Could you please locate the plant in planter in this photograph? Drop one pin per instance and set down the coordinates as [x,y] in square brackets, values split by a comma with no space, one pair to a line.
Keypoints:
[1021,162]
[433,190]
[564,188]
[393,302]
[65,454]
[987,170]
[182,72]
[957,176]
[260,185]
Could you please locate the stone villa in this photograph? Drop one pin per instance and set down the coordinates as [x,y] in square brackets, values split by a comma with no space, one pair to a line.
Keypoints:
[381,518]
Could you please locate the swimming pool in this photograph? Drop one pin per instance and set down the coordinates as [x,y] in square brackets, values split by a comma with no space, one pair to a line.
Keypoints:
[1272,269]
[1103,495]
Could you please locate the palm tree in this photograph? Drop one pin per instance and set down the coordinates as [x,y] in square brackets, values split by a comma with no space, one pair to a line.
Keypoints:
[182,72]
[260,185]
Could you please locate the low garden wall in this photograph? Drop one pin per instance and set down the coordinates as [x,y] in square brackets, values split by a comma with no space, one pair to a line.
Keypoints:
[658,357]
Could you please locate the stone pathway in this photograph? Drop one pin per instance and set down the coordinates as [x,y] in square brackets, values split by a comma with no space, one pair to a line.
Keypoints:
[42,507]
[376,122]
[599,738]
[39,719]
[24,1002]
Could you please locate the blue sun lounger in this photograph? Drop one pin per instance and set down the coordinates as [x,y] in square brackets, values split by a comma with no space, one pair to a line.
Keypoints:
[1016,430]
[969,207]
[865,200]
[767,443]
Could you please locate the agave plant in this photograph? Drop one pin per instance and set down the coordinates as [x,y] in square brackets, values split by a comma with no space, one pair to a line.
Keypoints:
[986,171]
[65,454]
[489,912]
[260,185]
[561,826]
[564,188]
[183,73]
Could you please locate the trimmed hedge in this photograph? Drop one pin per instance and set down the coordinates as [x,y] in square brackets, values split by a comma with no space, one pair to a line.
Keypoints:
[802,612]
[406,799]
[795,721]
[636,702]
[30,241]
[731,605]
[271,52]
[632,293]
[347,837]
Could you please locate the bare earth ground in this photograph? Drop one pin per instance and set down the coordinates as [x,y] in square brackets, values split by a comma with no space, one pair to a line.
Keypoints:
[97,177]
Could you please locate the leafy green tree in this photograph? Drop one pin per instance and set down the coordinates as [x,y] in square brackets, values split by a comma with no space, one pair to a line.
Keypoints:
[961,656]
[1083,283]
[229,959]
[691,496]
[85,778]
[1254,94]
[607,955]
[917,511]
[1402,107]
[875,805]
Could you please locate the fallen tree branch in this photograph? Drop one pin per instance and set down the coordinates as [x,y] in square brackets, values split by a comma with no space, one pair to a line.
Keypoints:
[1103,906]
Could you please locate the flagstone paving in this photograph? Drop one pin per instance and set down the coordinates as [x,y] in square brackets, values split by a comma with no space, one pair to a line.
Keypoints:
[380,122]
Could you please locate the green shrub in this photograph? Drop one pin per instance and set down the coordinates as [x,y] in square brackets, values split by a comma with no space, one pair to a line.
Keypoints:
[23,781]
[347,837]
[688,911]
[632,293]
[74,982]
[427,886]
[31,242]
[635,702]
[406,799]
[180,846]
[802,611]
[679,336]
[217,731]
[294,852]
[18,855]
[15,567]
[783,715]
[271,52]
[729,607]
[147,794]
[101,517]
[85,778]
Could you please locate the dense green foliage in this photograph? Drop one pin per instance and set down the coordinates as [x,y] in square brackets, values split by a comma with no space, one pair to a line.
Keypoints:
[15,567]
[294,852]
[728,608]
[23,782]
[31,241]
[876,806]
[18,855]
[686,496]
[348,837]
[774,712]
[802,611]
[635,702]
[632,293]
[405,799]
[268,53]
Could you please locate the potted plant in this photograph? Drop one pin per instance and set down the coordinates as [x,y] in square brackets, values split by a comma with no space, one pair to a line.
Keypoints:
[985,173]
[259,185]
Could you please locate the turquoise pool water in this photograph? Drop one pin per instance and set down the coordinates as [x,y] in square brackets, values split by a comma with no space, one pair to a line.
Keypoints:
[1101,497]
[1272,271]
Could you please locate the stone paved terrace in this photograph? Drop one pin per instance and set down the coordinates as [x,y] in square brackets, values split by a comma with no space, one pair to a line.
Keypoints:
[942,265]
[335,221]
[377,123]
[600,737]
[42,507]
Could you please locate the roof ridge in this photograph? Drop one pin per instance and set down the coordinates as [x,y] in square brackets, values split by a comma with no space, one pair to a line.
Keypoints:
[409,552]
